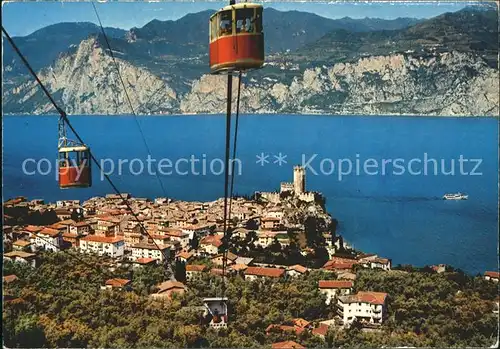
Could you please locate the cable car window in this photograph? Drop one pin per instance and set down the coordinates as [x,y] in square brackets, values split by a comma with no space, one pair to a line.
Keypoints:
[84,158]
[63,159]
[244,21]
[213,28]
[258,20]
[225,20]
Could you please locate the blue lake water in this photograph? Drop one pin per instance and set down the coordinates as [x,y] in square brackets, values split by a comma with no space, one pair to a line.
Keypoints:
[397,215]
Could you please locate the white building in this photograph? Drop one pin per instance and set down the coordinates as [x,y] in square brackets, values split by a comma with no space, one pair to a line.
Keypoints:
[21,257]
[255,273]
[112,246]
[367,307]
[265,238]
[332,288]
[492,275]
[210,244]
[80,228]
[48,239]
[144,250]
[296,270]
[375,262]
[194,271]
[175,235]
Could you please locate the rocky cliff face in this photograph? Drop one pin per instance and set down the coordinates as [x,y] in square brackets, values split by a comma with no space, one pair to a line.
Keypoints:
[86,82]
[441,84]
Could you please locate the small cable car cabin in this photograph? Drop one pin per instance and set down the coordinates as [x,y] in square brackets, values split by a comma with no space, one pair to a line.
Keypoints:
[236,38]
[216,311]
[74,167]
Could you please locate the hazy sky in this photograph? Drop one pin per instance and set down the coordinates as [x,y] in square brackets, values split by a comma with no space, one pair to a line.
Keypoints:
[22,18]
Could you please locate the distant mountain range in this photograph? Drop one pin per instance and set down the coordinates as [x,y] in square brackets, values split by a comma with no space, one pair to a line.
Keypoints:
[174,53]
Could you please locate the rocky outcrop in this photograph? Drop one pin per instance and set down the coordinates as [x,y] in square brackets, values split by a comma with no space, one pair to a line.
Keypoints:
[440,84]
[86,82]
[452,83]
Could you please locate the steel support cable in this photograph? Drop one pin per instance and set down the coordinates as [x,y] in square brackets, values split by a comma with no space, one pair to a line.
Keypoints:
[66,120]
[127,95]
[236,124]
[226,178]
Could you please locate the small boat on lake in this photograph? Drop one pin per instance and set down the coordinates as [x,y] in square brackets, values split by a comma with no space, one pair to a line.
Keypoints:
[457,196]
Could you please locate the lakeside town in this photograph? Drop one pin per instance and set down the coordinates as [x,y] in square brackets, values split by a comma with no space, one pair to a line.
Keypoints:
[274,236]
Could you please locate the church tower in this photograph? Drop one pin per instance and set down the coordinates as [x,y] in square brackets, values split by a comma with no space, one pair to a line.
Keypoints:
[299,180]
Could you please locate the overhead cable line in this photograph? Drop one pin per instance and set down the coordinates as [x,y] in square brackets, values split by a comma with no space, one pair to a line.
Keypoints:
[66,120]
[127,95]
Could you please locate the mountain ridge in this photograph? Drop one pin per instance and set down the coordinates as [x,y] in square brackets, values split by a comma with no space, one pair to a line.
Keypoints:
[420,68]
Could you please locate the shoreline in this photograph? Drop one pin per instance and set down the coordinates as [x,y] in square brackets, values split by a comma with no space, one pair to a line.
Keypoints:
[346,243]
[270,114]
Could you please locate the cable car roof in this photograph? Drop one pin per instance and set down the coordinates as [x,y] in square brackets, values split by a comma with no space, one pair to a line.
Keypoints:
[215,299]
[77,148]
[238,6]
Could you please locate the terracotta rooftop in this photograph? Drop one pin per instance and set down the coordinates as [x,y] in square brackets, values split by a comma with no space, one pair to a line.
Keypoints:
[321,330]
[148,246]
[269,272]
[238,267]
[194,267]
[185,254]
[49,232]
[301,322]
[22,243]
[20,254]
[335,284]
[102,239]
[168,285]
[217,271]
[81,224]
[9,278]
[492,274]
[33,228]
[145,260]
[298,268]
[376,298]
[287,345]
[117,282]
[285,328]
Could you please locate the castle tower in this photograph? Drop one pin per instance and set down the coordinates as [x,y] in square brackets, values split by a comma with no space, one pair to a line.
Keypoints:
[299,180]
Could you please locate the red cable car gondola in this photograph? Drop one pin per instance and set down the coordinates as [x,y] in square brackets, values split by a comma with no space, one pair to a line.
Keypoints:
[74,167]
[74,162]
[236,38]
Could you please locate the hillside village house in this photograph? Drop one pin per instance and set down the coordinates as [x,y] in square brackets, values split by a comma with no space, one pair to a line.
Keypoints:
[71,240]
[255,273]
[296,270]
[176,235]
[168,288]
[491,275]
[22,245]
[270,223]
[80,228]
[210,244]
[48,239]
[120,284]
[265,238]
[375,262]
[132,236]
[145,250]
[112,246]
[332,288]
[196,229]
[218,259]
[367,307]
[194,271]
[184,256]
[20,257]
